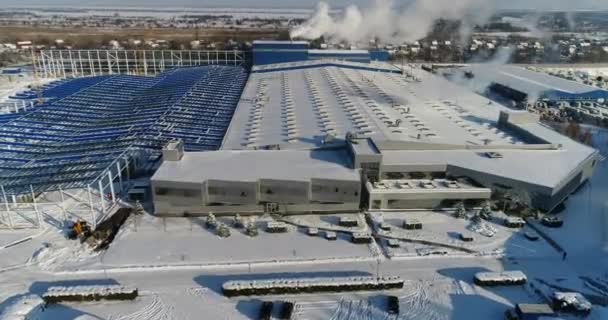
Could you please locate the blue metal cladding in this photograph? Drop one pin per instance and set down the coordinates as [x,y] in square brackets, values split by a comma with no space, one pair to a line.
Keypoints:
[269,52]
[379,55]
[593,95]
[68,142]
[344,56]
[270,57]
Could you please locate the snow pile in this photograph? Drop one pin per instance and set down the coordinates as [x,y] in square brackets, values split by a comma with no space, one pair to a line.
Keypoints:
[21,308]
[309,285]
[571,301]
[56,254]
[89,293]
[500,278]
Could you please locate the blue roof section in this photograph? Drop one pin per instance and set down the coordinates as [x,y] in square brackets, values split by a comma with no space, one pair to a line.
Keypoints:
[68,142]
[278,56]
[272,52]
[379,55]
[61,88]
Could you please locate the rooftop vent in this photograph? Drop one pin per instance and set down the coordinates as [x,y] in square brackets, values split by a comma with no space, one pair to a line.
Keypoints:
[494,155]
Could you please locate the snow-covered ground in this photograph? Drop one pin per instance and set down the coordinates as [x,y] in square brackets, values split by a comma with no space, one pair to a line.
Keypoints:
[178,241]
[181,266]
[441,228]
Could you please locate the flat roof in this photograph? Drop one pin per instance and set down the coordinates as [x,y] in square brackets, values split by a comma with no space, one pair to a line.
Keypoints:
[296,104]
[422,119]
[525,80]
[252,165]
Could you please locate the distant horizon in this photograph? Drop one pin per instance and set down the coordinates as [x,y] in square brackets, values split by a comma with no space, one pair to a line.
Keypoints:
[513,5]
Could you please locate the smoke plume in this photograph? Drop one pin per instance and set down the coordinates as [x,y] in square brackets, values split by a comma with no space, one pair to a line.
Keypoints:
[383,20]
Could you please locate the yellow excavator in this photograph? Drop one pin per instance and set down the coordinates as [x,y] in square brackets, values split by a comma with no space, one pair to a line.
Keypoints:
[79,230]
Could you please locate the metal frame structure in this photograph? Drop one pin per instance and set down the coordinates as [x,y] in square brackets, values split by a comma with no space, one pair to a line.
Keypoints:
[79,63]
[95,133]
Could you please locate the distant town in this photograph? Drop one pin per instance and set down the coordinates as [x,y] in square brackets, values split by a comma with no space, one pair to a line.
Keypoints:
[548,38]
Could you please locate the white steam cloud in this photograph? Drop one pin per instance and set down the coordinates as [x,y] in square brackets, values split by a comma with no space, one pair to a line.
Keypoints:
[383,20]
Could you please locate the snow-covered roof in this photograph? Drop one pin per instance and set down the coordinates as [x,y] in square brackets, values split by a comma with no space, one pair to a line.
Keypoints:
[525,80]
[252,165]
[295,105]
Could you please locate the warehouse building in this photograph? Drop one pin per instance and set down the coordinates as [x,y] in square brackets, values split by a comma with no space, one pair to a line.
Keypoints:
[312,136]
[255,181]
[520,84]
[272,52]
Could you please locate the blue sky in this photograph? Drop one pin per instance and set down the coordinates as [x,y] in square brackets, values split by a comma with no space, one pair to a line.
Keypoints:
[507,4]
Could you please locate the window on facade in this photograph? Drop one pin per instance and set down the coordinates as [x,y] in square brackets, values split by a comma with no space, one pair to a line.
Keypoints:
[162,191]
[189,193]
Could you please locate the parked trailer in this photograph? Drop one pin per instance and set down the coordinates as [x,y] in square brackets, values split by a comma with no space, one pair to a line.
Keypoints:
[361,238]
[276,227]
[412,224]
[309,285]
[89,293]
[514,222]
[529,311]
[348,222]
[500,278]
[330,235]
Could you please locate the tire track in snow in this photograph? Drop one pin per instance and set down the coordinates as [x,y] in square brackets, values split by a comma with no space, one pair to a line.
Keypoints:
[155,310]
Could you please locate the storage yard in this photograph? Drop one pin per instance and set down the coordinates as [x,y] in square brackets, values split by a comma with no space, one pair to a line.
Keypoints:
[324,188]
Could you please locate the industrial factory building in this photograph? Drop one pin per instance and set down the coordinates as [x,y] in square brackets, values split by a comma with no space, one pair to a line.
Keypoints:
[272,52]
[319,136]
[521,84]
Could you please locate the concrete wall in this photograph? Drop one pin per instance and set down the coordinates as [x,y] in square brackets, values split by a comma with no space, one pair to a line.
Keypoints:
[231,192]
[325,190]
[424,199]
[284,191]
[250,197]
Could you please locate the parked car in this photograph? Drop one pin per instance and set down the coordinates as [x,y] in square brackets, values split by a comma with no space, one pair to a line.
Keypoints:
[552,222]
